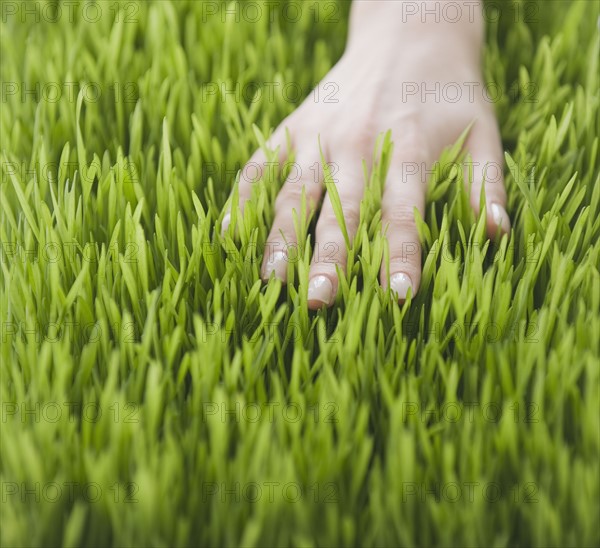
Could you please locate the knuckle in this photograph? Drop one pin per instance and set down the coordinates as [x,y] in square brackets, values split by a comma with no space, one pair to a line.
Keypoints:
[493,191]
[400,216]
[411,149]
[411,144]
[290,195]
[329,225]
[492,168]
[358,140]
[327,254]
[281,235]
[351,213]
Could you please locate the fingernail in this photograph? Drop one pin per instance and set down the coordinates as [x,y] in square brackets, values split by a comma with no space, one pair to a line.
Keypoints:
[400,283]
[500,216]
[320,290]
[226,222]
[277,263]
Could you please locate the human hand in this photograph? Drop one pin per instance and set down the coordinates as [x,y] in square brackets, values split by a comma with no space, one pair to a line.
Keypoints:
[386,79]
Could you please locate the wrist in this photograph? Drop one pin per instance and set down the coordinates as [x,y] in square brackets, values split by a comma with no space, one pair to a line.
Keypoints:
[386,25]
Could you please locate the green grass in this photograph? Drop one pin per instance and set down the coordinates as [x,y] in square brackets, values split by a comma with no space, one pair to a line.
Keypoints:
[131,327]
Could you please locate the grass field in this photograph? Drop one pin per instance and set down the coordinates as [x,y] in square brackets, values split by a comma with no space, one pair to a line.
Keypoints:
[155,393]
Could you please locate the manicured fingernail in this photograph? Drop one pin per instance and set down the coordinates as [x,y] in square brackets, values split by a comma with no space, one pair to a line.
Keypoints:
[400,283]
[277,263]
[226,222]
[320,290]
[500,216]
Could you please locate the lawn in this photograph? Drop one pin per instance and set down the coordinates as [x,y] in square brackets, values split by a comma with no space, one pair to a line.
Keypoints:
[154,392]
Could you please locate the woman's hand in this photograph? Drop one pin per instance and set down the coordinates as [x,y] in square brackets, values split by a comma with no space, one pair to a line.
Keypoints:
[423,81]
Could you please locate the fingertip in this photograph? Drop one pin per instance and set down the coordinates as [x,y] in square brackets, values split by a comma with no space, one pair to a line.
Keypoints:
[225,223]
[277,263]
[499,218]
[401,285]
[320,292]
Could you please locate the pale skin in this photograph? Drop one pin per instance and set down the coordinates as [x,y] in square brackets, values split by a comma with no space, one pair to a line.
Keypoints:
[387,80]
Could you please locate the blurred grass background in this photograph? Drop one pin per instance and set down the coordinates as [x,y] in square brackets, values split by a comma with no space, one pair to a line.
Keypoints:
[155,393]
